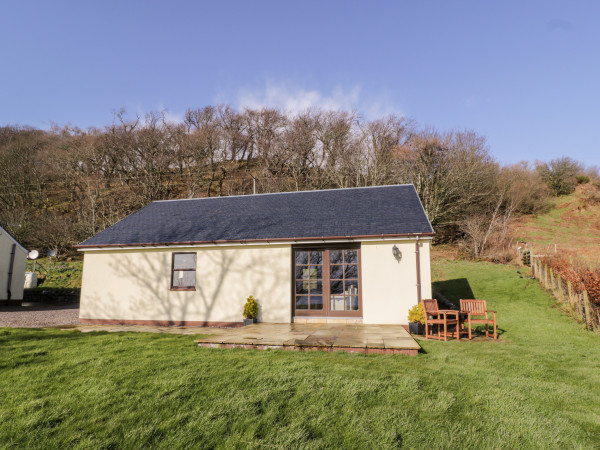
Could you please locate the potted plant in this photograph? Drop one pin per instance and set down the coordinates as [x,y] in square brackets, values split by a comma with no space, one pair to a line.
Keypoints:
[250,311]
[416,318]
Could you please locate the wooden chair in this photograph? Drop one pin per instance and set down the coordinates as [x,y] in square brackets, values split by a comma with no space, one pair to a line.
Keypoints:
[472,307]
[439,317]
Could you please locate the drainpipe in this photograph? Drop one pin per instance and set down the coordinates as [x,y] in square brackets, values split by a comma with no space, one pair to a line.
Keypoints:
[10,271]
[418,255]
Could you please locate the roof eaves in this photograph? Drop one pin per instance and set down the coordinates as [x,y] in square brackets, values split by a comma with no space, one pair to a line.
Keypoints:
[243,241]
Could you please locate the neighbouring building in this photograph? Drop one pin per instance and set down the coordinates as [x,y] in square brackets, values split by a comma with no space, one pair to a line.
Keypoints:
[13,259]
[357,255]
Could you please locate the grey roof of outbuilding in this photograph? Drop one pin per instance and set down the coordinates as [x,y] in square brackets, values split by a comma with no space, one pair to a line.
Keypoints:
[289,216]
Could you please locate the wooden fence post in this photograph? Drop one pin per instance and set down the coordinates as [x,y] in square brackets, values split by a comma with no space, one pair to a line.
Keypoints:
[551,278]
[570,288]
[545,276]
[560,288]
[586,304]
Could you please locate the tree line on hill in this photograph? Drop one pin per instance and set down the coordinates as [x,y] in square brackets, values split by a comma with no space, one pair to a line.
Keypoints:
[61,186]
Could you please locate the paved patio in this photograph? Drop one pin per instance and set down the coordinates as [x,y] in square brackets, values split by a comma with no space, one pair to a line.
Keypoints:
[369,339]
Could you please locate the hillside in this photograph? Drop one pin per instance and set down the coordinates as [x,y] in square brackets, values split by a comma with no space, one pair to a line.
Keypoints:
[572,225]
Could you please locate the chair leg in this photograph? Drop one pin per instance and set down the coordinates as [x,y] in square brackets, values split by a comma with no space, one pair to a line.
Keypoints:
[487,333]
[470,327]
[445,329]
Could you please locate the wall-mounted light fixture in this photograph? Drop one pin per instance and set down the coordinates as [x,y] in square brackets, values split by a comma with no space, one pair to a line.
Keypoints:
[397,253]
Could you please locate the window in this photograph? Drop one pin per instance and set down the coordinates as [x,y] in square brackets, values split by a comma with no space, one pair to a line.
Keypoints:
[326,281]
[183,275]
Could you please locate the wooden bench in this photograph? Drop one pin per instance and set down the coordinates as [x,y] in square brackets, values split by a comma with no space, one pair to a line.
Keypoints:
[439,317]
[474,310]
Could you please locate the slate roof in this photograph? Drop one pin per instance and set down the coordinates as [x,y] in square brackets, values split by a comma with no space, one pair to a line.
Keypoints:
[291,216]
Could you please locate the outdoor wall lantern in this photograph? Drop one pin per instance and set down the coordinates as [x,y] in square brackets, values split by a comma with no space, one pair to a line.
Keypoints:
[397,253]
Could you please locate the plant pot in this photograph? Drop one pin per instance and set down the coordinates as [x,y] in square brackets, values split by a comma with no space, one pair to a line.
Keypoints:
[416,328]
[248,322]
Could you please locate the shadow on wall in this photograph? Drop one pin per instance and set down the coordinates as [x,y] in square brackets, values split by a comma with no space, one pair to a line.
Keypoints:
[454,290]
[231,274]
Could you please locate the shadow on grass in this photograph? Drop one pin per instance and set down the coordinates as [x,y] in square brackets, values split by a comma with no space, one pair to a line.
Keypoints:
[35,334]
[454,290]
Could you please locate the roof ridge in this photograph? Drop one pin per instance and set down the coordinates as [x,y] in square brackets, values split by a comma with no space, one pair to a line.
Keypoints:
[287,192]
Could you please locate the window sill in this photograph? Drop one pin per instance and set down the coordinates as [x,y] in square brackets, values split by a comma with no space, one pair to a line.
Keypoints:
[182,289]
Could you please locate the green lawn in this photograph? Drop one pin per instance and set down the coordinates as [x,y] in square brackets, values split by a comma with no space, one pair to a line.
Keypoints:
[538,387]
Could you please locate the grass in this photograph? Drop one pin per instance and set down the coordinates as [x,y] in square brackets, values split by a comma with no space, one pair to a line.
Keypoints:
[538,387]
[572,223]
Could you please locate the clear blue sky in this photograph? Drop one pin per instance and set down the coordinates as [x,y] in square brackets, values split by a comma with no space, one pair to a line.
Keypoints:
[526,74]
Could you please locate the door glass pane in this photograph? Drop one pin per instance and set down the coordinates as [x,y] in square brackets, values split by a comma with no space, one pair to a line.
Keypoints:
[351,271]
[337,303]
[299,272]
[335,257]
[336,272]
[302,302]
[301,287]
[352,302]
[316,257]
[351,287]
[351,256]
[301,257]
[337,287]
[316,272]
[316,302]
[316,287]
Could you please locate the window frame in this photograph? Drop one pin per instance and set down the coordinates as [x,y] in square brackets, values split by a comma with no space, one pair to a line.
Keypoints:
[327,311]
[183,288]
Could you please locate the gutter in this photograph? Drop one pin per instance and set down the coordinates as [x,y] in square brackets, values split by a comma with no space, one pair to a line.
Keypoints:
[83,247]
[418,256]
[10,272]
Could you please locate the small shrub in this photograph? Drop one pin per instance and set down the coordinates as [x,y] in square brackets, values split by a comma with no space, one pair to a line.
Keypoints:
[582,179]
[417,314]
[251,308]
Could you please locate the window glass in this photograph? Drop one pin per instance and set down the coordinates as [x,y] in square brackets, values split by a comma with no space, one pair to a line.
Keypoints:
[184,261]
[336,272]
[316,287]
[302,302]
[301,257]
[351,271]
[301,287]
[316,302]
[184,278]
[316,257]
[335,257]
[337,287]
[350,256]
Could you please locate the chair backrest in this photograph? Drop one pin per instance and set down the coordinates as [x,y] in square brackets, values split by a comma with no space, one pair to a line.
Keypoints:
[430,306]
[477,307]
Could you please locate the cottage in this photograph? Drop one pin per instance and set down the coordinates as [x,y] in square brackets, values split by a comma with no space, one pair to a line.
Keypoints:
[358,255]
[13,259]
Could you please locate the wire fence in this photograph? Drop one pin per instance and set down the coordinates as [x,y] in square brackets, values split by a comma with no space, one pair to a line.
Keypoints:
[577,302]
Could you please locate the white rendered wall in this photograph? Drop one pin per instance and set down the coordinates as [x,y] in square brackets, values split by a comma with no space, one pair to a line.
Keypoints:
[135,285]
[389,287]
